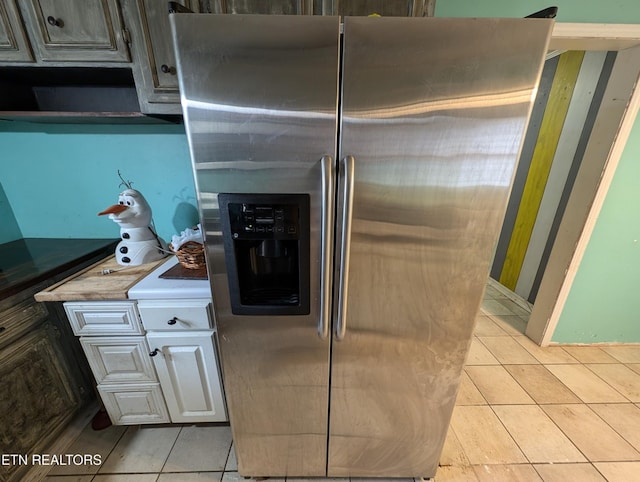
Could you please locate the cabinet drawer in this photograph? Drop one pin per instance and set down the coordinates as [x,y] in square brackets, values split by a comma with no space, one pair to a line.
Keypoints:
[175,314]
[103,318]
[119,359]
[134,404]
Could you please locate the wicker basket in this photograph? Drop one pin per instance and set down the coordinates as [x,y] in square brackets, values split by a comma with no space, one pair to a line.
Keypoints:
[191,255]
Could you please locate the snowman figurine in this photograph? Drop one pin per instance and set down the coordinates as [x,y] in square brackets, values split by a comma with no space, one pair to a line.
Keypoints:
[140,244]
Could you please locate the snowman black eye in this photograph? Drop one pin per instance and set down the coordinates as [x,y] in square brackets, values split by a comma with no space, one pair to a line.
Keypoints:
[120,202]
[128,203]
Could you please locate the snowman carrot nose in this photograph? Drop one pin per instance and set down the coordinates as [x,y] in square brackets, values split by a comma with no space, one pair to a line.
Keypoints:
[115,209]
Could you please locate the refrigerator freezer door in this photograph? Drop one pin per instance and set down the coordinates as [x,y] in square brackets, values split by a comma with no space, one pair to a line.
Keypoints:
[433,113]
[259,96]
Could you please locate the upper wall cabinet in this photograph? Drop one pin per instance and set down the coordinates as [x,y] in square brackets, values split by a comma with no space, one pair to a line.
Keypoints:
[69,31]
[14,46]
[155,63]
[75,30]
[387,8]
[274,7]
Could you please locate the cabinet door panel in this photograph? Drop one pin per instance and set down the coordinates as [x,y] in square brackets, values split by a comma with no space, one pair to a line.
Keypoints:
[14,46]
[155,68]
[36,400]
[188,373]
[77,30]
[155,21]
[119,359]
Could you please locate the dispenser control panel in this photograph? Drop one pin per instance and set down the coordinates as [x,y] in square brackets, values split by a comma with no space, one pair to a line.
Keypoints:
[264,221]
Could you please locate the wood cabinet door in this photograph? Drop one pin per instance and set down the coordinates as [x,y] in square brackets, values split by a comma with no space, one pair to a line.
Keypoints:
[14,46]
[188,372]
[273,7]
[152,45]
[36,400]
[76,30]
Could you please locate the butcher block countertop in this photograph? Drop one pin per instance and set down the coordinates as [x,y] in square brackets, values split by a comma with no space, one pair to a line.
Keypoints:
[106,280]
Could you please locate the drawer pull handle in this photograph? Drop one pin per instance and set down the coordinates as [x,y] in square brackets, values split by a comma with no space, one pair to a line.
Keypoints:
[172,321]
[154,352]
[55,22]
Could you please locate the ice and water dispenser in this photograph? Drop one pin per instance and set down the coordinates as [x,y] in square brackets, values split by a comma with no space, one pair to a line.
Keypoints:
[266,242]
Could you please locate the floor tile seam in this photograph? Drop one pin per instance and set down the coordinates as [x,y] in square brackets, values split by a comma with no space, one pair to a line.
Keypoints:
[610,426]
[113,447]
[613,345]
[173,445]
[517,383]
[568,463]
[476,387]
[606,382]
[561,431]
[554,376]
[510,436]
[540,361]
[633,372]
[97,472]
[226,460]
[572,391]
[513,337]
[598,416]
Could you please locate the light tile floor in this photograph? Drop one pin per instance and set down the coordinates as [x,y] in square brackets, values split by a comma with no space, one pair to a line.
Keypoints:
[523,413]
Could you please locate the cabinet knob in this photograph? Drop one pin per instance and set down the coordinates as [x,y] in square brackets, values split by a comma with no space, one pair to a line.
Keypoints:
[154,352]
[172,321]
[2,328]
[167,70]
[55,22]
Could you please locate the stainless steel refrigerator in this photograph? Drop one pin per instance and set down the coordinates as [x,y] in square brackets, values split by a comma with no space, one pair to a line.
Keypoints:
[352,176]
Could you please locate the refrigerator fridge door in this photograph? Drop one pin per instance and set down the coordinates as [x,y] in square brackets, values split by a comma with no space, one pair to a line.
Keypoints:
[433,115]
[259,96]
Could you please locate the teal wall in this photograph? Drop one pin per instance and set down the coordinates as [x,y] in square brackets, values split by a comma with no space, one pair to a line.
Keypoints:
[57,177]
[603,304]
[581,11]
[9,229]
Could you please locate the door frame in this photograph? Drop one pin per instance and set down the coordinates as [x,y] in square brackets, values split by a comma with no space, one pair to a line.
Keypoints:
[613,124]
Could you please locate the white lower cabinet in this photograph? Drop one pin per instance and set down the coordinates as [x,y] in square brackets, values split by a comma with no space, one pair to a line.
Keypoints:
[187,369]
[169,375]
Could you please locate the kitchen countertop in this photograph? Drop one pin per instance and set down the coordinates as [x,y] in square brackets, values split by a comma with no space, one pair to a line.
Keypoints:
[106,280]
[152,287]
[29,261]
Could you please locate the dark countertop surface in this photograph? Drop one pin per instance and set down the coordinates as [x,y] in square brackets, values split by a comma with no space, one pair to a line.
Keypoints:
[29,261]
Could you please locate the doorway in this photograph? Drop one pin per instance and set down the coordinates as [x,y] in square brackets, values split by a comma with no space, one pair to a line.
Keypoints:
[588,175]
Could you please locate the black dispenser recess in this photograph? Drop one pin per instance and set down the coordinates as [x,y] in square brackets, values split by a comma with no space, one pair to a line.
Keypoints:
[266,245]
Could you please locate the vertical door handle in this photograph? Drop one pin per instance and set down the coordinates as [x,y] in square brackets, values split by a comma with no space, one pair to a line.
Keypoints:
[348,169]
[328,174]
